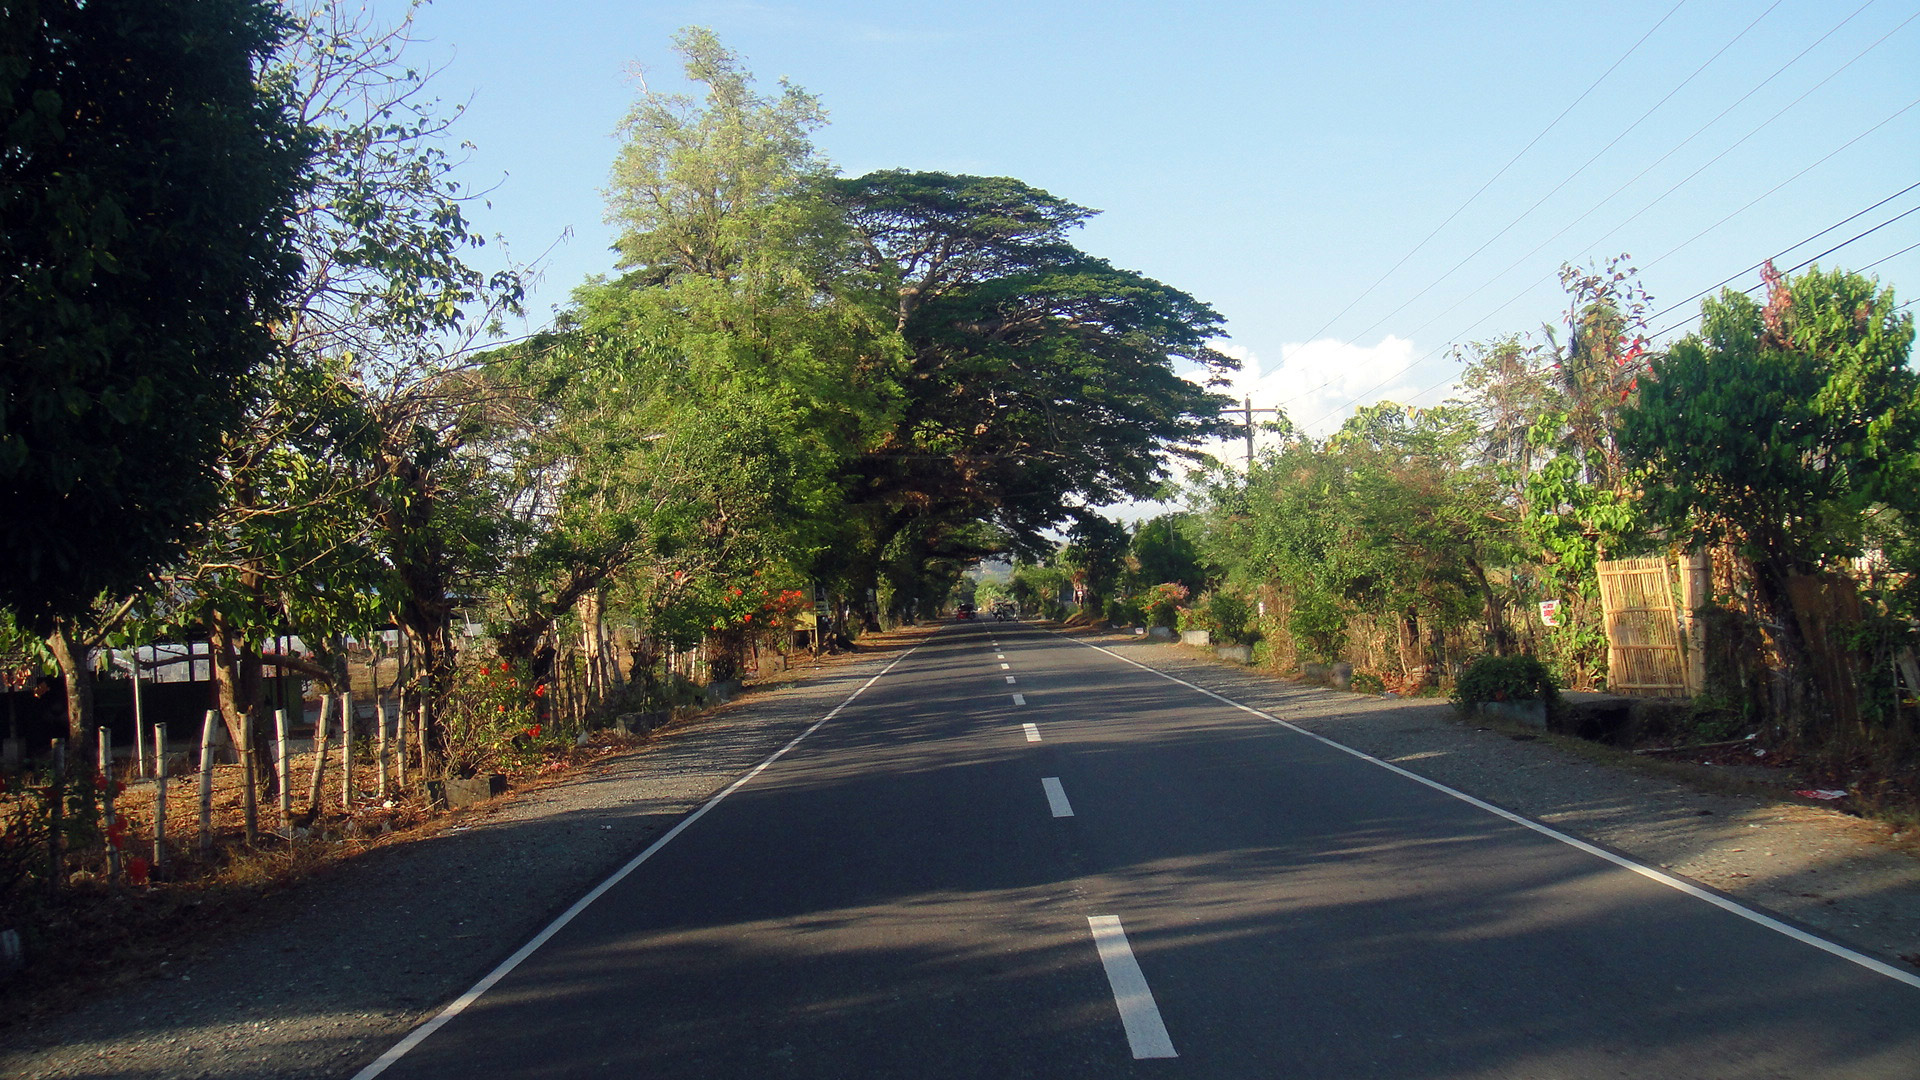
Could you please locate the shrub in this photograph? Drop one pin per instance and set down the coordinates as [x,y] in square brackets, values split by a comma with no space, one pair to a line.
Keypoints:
[1318,626]
[1505,678]
[1162,603]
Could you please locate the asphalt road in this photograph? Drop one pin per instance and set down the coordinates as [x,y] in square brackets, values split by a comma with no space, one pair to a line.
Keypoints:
[1036,859]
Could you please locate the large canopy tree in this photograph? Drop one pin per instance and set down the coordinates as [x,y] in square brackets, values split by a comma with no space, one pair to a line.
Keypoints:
[1040,380]
[146,183]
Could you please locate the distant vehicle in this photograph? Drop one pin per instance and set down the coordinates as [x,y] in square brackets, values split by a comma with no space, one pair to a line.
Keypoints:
[964,611]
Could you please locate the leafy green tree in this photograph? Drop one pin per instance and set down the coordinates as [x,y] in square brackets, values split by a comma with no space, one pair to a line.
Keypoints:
[684,421]
[148,182]
[1785,430]
[1162,549]
[1096,552]
[1037,377]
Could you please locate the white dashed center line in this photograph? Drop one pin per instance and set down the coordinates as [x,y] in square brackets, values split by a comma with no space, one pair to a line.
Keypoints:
[1033,732]
[1010,678]
[1139,1015]
[1057,800]
[1006,667]
[1019,699]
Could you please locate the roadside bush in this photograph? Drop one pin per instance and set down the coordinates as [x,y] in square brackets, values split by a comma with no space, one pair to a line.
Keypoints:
[1505,678]
[493,722]
[1162,603]
[1125,612]
[1230,618]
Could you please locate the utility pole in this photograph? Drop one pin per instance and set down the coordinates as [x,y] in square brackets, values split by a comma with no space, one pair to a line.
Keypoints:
[1249,410]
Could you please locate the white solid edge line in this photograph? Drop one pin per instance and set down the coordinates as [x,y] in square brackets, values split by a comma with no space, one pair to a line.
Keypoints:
[1019,699]
[1056,797]
[1139,1013]
[1033,732]
[1731,906]
[459,1005]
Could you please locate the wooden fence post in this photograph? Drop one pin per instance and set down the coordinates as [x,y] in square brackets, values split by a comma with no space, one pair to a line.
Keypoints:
[286,779]
[1696,591]
[346,750]
[206,783]
[316,788]
[139,722]
[106,803]
[250,776]
[380,743]
[159,797]
[55,864]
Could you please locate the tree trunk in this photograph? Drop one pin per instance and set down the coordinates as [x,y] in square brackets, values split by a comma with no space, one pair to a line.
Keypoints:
[77,673]
[239,674]
[316,787]
[1499,638]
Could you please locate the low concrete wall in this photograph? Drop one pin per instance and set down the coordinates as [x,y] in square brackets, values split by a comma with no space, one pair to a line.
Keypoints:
[1196,637]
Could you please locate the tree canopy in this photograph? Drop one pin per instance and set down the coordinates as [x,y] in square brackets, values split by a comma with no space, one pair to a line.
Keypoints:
[146,189]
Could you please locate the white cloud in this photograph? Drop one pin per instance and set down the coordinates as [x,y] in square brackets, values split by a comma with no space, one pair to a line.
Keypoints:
[1320,383]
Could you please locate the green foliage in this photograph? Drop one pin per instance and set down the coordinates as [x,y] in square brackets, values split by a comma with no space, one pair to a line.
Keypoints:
[148,184]
[1163,602]
[1318,625]
[492,719]
[1505,678]
[1162,549]
[27,825]
[1783,428]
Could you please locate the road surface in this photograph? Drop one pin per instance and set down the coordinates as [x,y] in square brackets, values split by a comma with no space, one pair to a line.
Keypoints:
[1013,855]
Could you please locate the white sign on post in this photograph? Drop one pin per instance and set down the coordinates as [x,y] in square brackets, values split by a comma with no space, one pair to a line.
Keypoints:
[1550,612]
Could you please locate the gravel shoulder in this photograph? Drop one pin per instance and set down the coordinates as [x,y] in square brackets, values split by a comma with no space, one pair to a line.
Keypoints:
[1852,881]
[329,974]
[333,972]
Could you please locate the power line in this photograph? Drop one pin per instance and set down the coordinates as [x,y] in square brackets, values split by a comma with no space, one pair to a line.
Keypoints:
[1676,149]
[1570,177]
[1492,180]
[1804,264]
[1733,277]
[1658,199]
[1431,353]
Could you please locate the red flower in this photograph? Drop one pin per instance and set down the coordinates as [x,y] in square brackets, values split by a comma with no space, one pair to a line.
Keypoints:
[540,691]
[534,731]
[503,708]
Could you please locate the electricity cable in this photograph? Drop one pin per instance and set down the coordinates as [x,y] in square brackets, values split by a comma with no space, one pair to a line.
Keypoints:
[1497,175]
[1431,353]
[1683,143]
[1803,265]
[1572,176]
[1748,270]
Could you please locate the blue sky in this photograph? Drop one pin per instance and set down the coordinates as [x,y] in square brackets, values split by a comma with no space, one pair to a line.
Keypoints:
[1277,160]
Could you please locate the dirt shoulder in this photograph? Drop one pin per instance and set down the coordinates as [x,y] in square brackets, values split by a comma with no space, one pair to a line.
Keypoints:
[319,979]
[1851,880]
